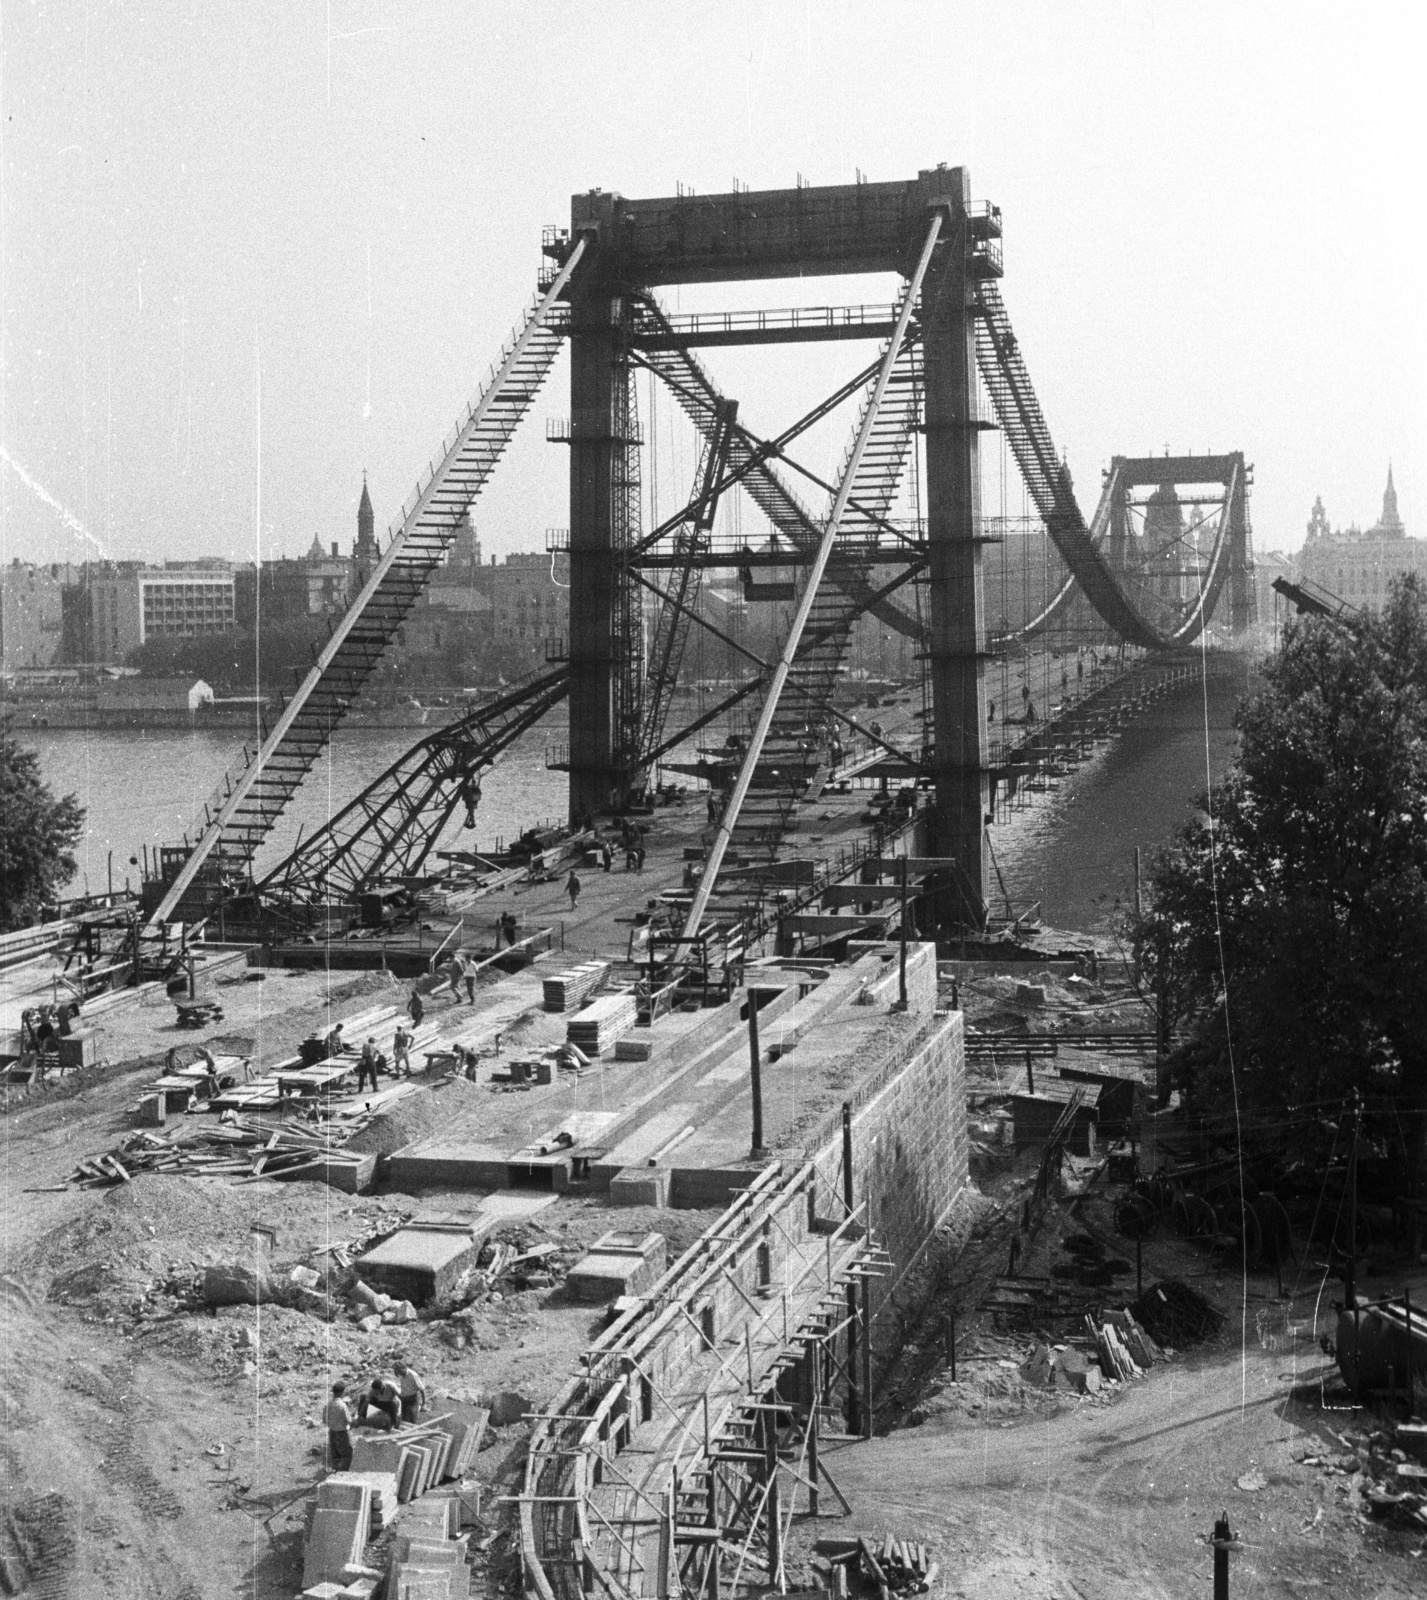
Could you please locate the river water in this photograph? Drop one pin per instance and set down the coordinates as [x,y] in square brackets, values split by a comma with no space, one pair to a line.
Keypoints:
[1070,849]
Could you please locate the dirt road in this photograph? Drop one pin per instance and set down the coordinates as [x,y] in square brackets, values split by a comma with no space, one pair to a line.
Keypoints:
[1114,1501]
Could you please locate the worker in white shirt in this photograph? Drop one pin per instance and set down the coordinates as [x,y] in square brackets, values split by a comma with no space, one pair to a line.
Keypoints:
[339,1429]
[413,1391]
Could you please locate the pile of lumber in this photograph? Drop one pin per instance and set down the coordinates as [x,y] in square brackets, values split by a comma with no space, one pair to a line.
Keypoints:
[602,1022]
[242,1149]
[566,990]
[897,1566]
[1125,1349]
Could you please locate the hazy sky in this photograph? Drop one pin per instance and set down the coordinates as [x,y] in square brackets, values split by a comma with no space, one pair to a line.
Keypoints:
[257,247]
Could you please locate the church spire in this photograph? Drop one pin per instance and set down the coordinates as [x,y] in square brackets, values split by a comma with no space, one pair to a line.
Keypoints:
[1391,521]
[366,546]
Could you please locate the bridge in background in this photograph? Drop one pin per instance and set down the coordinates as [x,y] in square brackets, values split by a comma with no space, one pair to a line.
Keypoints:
[900,535]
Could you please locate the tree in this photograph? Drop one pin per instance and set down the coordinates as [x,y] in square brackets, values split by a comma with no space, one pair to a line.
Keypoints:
[37,836]
[1291,919]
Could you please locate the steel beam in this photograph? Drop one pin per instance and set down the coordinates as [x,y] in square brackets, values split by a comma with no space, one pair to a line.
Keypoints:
[594,334]
[957,643]
[769,233]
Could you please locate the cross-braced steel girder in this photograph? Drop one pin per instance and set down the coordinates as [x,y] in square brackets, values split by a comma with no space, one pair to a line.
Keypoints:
[392,826]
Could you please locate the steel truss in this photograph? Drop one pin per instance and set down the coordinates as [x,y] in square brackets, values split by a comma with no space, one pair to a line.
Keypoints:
[391,828]
[659,1469]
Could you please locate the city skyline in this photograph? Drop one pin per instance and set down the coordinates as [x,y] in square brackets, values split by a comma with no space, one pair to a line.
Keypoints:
[207,341]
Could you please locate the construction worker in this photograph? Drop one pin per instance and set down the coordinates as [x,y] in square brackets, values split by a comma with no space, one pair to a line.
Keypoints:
[416,1007]
[338,1418]
[508,926]
[468,971]
[384,1398]
[572,888]
[367,1065]
[401,1052]
[334,1042]
[413,1391]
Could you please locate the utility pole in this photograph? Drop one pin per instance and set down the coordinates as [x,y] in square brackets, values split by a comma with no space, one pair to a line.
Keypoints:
[755,1072]
[1350,1277]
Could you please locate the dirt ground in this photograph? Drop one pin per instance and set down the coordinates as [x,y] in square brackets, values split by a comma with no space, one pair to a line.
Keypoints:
[150,1448]
[1027,1494]
[1113,1499]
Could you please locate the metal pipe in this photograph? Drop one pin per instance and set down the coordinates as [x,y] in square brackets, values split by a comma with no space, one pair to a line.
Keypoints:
[1222,1541]
[805,605]
[854,1407]
[755,1076]
[902,964]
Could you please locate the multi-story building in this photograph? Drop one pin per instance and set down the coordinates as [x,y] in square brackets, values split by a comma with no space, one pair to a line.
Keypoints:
[122,605]
[1357,565]
[31,615]
[287,590]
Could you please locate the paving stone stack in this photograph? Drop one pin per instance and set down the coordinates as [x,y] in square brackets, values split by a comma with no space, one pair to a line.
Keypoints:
[382,1488]
[337,1528]
[595,1029]
[429,1554]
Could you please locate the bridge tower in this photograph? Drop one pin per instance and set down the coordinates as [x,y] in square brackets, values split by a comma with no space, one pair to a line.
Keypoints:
[636,245]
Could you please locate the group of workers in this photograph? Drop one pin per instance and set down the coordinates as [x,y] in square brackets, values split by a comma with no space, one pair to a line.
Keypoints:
[386,1402]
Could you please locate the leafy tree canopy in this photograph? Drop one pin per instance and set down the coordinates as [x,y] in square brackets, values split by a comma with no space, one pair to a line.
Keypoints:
[1289,923]
[38,834]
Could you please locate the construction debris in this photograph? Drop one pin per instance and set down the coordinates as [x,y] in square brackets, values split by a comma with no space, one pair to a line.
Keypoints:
[1174,1314]
[897,1566]
[236,1148]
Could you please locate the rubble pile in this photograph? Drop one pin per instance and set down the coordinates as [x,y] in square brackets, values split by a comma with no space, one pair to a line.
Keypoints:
[1385,1471]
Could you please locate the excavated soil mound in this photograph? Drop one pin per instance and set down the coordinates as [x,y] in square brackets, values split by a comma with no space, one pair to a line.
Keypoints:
[444,1105]
[163,1230]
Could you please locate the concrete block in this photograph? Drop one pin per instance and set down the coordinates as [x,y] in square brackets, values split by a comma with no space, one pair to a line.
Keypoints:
[640,1186]
[618,1264]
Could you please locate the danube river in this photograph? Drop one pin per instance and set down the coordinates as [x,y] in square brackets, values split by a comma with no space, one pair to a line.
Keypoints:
[1069,849]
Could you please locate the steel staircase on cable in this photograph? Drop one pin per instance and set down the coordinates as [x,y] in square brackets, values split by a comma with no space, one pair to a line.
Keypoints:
[1007,379]
[235,822]
[797,747]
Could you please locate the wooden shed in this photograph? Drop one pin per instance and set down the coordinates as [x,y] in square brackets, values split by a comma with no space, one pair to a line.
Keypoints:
[1035,1115]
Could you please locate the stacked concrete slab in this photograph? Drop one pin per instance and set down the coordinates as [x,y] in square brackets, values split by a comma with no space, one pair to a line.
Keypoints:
[419,1456]
[428,1555]
[337,1529]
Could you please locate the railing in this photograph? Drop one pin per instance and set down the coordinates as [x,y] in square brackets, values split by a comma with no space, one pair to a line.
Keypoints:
[575,1444]
[690,327]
